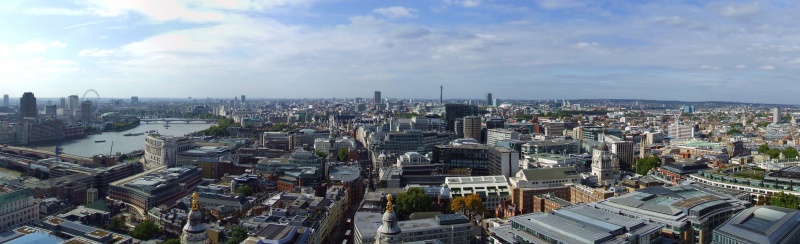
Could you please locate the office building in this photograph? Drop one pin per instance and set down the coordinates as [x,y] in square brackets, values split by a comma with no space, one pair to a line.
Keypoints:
[494,135]
[563,147]
[243,99]
[155,187]
[489,99]
[134,100]
[397,143]
[377,97]
[456,111]
[473,156]
[50,110]
[503,161]
[163,150]
[529,183]
[27,106]
[17,208]
[492,189]
[495,123]
[73,102]
[87,114]
[5,101]
[760,224]
[689,213]
[472,127]
[776,115]
[624,151]
[62,103]
[680,131]
[575,224]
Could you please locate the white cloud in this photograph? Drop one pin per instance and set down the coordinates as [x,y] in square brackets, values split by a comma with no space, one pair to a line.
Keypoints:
[410,32]
[585,44]
[470,3]
[561,4]
[680,22]
[396,12]
[36,46]
[83,24]
[741,66]
[796,61]
[708,67]
[740,11]
[767,67]
[95,52]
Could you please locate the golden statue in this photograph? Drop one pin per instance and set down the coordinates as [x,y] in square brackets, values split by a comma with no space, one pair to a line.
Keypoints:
[389,203]
[195,204]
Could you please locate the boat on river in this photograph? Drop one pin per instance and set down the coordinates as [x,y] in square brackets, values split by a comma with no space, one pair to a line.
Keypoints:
[100,141]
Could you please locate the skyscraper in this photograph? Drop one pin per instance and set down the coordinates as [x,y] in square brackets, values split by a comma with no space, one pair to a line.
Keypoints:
[377,98]
[456,111]
[776,116]
[74,102]
[472,127]
[489,99]
[27,106]
[86,111]
[63,103]
[243,101]
[5,101]
[134,100]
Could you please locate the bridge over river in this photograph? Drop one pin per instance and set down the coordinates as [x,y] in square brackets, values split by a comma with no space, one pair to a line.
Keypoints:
[171,120]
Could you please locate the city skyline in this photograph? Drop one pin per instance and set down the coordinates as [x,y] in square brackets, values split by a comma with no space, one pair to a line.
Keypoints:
[709,51]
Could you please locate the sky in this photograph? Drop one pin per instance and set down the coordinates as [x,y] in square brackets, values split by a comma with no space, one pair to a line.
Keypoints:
[747,51]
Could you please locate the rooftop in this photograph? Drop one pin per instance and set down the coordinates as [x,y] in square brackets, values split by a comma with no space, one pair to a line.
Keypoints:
[761,224]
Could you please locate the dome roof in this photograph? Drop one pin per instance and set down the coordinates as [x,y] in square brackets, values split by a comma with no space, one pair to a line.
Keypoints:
[389,226]
[602,147]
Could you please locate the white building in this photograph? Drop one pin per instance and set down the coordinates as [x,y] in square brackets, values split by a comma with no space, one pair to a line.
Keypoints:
[494,135]
[679,131]
[603,164]
[324,144]
[17,208]
[495,188]
[412,158]
[545,178]
[162,150]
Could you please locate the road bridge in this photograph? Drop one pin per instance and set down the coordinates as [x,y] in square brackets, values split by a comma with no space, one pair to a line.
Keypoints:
[170,120]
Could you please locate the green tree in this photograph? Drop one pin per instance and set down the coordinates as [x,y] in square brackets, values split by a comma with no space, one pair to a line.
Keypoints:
[245,190]
[146,230]
[413,200]
[790,152]
[321,154]
[774,153]
[763,148]
[172,241]
[734,132]
[238,234]
[785,200]
[643,165]
[117,224]
[342,154]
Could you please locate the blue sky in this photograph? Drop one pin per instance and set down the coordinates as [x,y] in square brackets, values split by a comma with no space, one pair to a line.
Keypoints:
[546,49]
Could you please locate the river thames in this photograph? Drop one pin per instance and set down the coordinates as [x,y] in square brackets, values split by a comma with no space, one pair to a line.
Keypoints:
[88,147]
